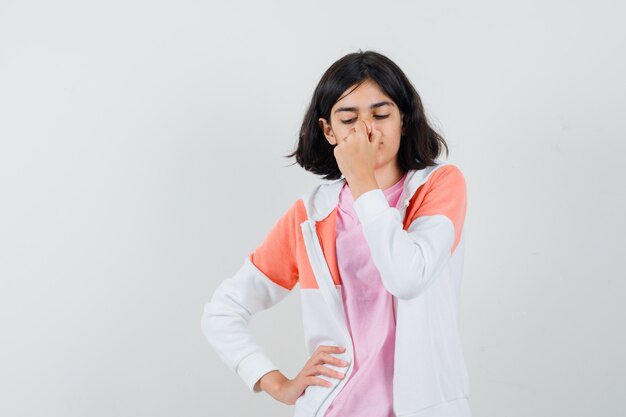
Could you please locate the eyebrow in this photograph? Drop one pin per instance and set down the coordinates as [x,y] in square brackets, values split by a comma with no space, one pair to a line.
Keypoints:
[373,106]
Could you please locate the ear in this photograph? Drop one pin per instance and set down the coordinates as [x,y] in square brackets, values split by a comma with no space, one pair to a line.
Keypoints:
[403,130]
[327,130]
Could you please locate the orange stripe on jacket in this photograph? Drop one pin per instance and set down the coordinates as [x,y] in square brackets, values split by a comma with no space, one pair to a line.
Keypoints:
[282,255]
[443,193]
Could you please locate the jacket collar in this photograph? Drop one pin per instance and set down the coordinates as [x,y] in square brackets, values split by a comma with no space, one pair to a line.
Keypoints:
[321,201]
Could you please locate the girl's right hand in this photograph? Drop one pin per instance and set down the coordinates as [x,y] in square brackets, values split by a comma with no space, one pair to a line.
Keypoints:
[288,391]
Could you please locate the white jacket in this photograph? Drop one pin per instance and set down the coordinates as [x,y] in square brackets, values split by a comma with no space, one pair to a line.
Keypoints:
[418,250]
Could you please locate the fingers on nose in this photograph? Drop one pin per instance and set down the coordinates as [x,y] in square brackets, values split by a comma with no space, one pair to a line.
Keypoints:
[368,125]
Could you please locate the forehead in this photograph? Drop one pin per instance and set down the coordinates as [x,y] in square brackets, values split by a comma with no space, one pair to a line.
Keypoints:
[366,93]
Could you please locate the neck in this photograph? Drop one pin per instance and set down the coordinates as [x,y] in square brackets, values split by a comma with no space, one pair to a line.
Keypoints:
[384,177]
[388,175]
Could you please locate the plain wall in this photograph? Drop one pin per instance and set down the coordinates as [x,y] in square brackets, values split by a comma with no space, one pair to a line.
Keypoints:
[141,159]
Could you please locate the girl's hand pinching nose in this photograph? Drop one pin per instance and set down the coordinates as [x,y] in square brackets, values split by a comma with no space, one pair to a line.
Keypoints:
[356,153]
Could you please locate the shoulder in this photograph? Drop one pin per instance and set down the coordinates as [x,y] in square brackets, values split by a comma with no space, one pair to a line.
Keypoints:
[444,178]
[448,173]
[442,192]
[295,214]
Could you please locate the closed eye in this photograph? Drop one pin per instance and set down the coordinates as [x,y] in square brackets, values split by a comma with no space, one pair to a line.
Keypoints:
[379,117]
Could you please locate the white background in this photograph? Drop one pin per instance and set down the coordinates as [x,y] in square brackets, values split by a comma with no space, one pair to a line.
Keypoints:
[141,160]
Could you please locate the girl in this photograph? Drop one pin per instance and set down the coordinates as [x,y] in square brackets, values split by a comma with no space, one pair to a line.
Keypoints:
[378,255]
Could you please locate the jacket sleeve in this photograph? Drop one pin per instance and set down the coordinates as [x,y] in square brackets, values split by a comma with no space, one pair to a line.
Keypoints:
[409,260]
[267,275]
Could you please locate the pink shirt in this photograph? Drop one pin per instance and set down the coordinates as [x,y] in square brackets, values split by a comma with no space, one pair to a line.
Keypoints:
[369,312]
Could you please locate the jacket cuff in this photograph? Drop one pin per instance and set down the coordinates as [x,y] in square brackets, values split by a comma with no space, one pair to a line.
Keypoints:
[253,367]
[370,204]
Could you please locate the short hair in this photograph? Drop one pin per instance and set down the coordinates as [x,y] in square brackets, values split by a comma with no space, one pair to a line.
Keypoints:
[420,145]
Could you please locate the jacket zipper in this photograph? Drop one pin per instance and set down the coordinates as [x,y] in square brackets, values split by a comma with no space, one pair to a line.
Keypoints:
[327,286]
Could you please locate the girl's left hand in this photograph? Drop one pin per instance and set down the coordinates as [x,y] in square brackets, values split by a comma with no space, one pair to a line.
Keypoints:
[356,153]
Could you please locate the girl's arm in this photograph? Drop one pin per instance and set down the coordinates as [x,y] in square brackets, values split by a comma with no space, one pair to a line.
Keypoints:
[409,260]
[267,275]
[226,317]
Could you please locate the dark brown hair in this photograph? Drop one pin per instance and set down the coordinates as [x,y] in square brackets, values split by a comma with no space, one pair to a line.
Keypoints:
[420,145]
